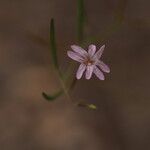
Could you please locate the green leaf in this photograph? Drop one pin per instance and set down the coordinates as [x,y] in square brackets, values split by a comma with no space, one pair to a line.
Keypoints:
[80,20]
[53,44]
[52,97]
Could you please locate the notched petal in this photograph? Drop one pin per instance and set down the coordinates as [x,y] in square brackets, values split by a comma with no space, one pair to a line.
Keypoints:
[79,50]
[80,71]
[98,73]
[103,66]
[99,53]
[89,72]
[74,56]
[91,50]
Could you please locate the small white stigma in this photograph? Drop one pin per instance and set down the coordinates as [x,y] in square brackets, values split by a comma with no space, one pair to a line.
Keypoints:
[89,63]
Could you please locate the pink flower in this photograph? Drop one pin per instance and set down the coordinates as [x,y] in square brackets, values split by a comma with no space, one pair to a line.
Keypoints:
[90,61]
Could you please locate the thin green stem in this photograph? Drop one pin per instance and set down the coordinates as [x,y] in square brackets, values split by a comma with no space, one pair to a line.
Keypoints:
[54,57]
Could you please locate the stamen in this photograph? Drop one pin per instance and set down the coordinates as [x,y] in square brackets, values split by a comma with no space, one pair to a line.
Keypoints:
[88,62]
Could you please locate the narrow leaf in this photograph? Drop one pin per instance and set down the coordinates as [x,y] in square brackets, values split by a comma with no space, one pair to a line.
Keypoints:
[53,44]
[52,97]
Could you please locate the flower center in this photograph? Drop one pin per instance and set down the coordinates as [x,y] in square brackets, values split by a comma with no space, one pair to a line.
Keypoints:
[88,62]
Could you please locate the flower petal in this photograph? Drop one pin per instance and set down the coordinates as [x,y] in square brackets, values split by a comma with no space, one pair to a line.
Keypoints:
[80,71]
[91,50]
[98,73]
[89,71]
[99,53]
[79,50]
[74,56]
[103,66]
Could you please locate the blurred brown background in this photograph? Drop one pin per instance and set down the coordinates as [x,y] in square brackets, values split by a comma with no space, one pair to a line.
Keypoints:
[28,122]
